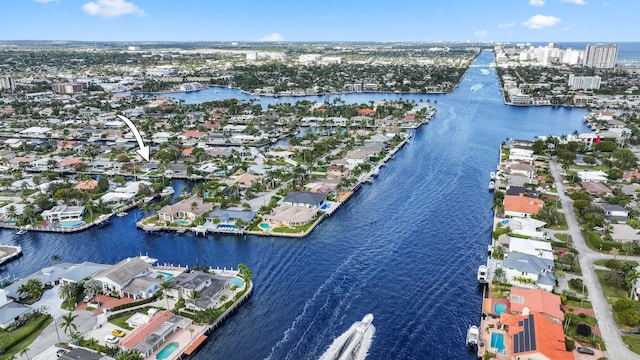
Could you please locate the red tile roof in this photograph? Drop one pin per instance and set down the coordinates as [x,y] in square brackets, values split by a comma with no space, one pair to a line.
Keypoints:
[193,133]
[523,204]
[549,337]
[142,332]
[366,111]
[536,300]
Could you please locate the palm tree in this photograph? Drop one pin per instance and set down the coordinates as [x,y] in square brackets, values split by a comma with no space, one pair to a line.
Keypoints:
[67,324]
[626,247]
[76,337]
[193,296]
[130,355]
[164,286]
[92,287]
[615,252]
[67,291]
[498,274]
[25,352]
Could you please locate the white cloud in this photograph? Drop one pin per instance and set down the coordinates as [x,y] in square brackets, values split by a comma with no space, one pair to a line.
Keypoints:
[45,1]
[507,25]
[536,2]
[480,33]
[111,8]
[579,2]
[272,37]
[540,21]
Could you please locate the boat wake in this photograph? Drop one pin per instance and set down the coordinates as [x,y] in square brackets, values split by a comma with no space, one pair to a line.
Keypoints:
[476,87]
[353,344]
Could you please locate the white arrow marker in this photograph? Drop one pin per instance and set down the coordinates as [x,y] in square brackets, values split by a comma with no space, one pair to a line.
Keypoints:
[144,150]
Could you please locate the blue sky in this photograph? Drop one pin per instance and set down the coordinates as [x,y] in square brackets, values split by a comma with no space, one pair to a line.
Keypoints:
[326,20]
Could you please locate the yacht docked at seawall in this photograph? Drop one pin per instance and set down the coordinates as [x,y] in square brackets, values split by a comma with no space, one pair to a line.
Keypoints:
[168,191]
[193,86]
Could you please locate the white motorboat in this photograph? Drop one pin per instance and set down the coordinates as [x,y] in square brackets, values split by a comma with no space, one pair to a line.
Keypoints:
[492,175]
[167,191]
[483,274]
[365,323]
[473,335]
[492,185]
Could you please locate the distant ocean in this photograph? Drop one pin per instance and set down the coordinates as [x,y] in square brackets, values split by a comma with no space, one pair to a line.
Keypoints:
[628,52]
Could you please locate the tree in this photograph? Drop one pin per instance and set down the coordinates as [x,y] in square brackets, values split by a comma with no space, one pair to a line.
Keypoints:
[498,274]
[92,287]
[194,295]
[67,324]
[131,354]
[103,185]
[583,330]
[615,252]
[164,286]
[625,158]
[25,352]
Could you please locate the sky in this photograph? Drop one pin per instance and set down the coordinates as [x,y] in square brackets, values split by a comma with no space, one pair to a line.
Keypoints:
[325,20]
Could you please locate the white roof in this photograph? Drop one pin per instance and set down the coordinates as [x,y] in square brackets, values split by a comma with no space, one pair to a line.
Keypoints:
[541,249]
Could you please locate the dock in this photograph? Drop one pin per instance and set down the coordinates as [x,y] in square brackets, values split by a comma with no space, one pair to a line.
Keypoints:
[9,252]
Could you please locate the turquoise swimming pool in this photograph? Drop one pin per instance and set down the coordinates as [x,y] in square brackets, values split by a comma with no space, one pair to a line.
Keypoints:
[166,351]
[182,222]
[497,342]
[264,226]
[237,282]
[166,274]
[499,308]
[71,223]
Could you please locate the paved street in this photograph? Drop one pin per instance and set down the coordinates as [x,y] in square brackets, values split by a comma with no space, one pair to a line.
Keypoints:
[610,332]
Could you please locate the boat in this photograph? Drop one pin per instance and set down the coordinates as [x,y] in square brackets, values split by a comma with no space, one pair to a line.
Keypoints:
[21,231]
[121,214]
[365,323]
[483,274]
[484,71]
[167,191]
[492,175]
[375,172]
[492,185]
[473,335]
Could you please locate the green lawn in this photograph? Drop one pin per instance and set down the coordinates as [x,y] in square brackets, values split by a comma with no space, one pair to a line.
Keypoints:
[611,293]
[603,262]
[566,238]
[34,326]
[561,225]
[633,342]
[121,321]
[296,229]
[579,304]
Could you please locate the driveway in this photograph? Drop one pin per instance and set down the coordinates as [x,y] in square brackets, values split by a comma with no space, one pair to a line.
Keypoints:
[610,332]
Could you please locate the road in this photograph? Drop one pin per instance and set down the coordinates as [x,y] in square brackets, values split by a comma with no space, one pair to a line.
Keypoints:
[616,348]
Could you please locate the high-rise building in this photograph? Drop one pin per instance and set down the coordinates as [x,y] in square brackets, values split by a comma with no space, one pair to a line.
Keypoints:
[601,56]
[7,82]
[584,82]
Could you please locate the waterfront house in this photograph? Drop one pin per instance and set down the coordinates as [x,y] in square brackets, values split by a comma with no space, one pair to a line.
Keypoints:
[79,272]
[306,199]
[149,337]
[523,169]
[594,176]
[70,164]
[245,179]
[521,190]
[527,227]
[534,336]
[208,287]
[290,215]
[521,206]
[538,300]
[62,213]
[119,279]
[521,154]
[537,248]
[596,188]
[529,271]
[230,216]
[177,169]
[83,354]
[186,209]
[87,185]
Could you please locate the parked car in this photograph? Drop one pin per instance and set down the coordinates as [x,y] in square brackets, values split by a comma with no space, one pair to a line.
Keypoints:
[117,332]
[87,298]
[585,350]
[111,339]
[61,352]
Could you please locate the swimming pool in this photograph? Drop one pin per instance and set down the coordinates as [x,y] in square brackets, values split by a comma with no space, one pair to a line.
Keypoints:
[499,308]
[166,351]
[264,226]
[182,222]
[505,222]
[497,341]
[325,206]
[166,274]
[71,224]
[237,282]
[226,226]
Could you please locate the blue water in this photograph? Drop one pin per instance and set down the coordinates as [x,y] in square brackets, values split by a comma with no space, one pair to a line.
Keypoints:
[265,226]
[414,269]
[71,224]
[227,226]
[166,351]
[497,341]
[166,274]
[499,308]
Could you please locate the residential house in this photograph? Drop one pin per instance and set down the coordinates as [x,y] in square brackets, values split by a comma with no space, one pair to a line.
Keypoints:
[62,213]
[521,154]
[306,199]
[593,176]
[615,212]
[523,169]
[230,216]
[529,271]
[521,206]
[596,188]
[70,164]
[208,287]
[87,185]
[532,247]
[116,278]
[534,336]
[80,272]
[177,169]
[536,300]
[149,337]
[187,209]
[83,354]
[290,215]
[10,311]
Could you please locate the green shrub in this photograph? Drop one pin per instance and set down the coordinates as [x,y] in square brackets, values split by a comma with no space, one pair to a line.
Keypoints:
[629,317]
[570,344]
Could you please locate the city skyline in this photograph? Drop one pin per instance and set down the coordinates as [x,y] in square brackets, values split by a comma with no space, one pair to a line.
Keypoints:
[292,21]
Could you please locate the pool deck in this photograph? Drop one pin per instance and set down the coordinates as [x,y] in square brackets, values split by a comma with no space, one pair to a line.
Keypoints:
[491,324]
[184,338]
